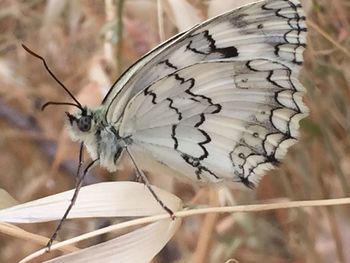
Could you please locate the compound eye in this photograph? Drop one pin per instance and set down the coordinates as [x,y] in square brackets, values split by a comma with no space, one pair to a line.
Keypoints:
[84,123]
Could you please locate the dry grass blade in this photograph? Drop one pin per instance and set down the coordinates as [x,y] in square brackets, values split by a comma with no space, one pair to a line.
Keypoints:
[14,214]
[192,212]
[125,248]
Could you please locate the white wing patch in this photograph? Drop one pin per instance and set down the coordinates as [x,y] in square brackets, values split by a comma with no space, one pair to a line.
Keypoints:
[226,119]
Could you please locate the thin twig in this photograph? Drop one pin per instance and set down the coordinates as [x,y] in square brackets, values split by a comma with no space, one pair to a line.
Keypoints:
[120,27]
[109,48]
[160,21]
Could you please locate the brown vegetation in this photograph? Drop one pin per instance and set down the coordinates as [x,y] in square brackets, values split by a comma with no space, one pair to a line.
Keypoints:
[85,46]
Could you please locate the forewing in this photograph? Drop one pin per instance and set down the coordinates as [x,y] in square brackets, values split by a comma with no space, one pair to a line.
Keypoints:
[222,119]
[272,29]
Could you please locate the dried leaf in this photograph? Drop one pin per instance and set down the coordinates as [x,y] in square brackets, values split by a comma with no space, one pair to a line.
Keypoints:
[109,199]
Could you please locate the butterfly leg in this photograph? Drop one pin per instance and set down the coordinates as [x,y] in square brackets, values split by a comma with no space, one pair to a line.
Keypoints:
[79,184]
[148,185]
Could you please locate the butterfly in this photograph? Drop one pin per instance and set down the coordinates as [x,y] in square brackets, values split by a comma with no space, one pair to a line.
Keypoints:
[221,101]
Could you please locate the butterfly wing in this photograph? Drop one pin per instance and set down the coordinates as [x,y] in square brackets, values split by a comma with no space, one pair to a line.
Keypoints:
[218,119]
[273,29]
[222,101]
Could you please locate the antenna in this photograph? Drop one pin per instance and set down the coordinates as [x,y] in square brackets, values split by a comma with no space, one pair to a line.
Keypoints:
[76,104]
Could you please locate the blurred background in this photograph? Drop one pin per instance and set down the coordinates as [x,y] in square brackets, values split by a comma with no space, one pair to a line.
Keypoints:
[89,43]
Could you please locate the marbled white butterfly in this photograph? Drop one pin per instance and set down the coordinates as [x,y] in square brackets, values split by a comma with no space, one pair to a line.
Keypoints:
[221,101]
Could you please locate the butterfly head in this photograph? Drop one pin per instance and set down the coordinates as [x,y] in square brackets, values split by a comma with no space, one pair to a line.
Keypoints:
[81,123]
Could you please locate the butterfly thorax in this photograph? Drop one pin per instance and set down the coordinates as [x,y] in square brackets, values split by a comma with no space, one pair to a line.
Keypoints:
[101,139]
